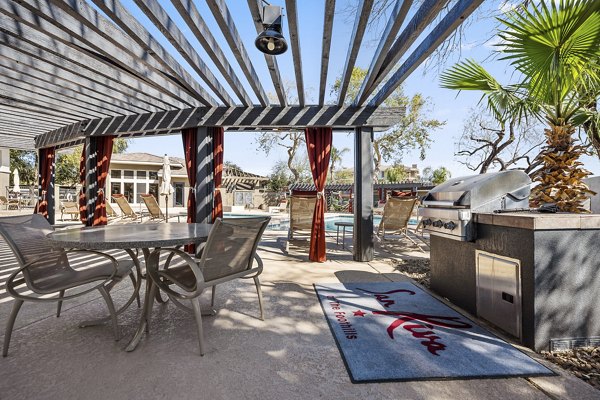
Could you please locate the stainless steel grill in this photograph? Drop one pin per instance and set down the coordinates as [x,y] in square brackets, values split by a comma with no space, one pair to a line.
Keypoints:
[448,208]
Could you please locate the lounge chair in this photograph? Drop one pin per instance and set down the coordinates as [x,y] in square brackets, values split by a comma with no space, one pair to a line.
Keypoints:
[396,214]
[302,209]
[154,211]
[229,253]
[126,210]
[278,209]
[47,273]
[70,208]
[110,213]
[9,203]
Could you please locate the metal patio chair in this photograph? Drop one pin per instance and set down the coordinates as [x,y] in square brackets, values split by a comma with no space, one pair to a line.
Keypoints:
[229,253]
[302,209]
[396,215]
[69,208]
[47,273]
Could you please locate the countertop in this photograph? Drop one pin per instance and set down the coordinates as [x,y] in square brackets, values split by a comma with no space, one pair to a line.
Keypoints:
[540,221]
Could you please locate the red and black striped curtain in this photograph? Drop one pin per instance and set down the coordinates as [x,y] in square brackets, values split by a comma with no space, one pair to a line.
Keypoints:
[47,157]
[103,153]
[190,147]
[318,144]
[82,200]
[218,136]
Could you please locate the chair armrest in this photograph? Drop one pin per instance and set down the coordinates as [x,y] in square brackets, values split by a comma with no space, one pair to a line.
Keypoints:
[11,282]
[152,271]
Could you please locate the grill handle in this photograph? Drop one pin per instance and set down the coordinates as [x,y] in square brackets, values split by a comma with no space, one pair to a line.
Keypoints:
[439,203]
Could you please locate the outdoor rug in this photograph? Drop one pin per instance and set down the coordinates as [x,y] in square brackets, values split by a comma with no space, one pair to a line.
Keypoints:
[395,331]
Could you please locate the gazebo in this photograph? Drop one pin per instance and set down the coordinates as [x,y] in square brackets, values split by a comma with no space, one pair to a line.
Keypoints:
[85,72]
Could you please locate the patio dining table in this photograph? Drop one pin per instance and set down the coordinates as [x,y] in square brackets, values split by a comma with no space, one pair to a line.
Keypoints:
[129,237]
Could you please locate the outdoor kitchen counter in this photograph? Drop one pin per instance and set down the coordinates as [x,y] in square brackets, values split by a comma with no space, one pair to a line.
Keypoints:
[540,221]
[559,261]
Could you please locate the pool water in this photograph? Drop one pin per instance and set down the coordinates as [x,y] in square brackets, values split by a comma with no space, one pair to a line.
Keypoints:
[283,224]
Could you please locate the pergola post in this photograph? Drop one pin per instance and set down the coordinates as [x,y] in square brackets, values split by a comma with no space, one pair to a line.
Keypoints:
[204,176]
[91,181]
[363,194]
[49,196]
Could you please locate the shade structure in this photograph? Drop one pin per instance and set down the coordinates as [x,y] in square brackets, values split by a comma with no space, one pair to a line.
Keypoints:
[166,188]
[16,181]
[318,144]
[46,170]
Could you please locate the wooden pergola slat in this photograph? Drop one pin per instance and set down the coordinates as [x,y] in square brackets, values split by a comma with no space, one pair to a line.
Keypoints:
[421,19]
[461,10]
[270,60]
[327,31]
[32,115]
[44,54]
[225,21]
[169,29]
[360,24]
[388,36]
[128,56]
[196,23]
[292,17]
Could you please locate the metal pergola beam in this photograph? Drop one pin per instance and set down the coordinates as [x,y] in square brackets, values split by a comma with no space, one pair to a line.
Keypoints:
[292,117]
[388,36]
[461,10]
[201,31]
[270,60]
[327,31]
[292,17]
[169,29]
[360,24]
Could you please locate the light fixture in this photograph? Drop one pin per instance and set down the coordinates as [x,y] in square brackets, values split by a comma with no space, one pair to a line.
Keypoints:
[271,41]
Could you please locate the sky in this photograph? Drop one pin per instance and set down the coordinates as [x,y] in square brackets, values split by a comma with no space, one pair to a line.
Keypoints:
[445,105]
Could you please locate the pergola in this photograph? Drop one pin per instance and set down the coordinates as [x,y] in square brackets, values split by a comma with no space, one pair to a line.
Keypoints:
[71,74]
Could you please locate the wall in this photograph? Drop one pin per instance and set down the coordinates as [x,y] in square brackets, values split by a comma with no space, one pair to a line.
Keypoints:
[4,169]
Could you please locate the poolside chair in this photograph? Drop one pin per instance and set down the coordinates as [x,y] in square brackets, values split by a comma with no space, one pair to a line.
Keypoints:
[396,214]
[229,254]
[126,210]
[302,209]
[110,213]
[47,272]
[70,208]
[9,203]
[280,208]
[154,211]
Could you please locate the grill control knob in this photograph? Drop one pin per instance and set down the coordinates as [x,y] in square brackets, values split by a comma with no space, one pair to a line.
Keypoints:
[438,223]
[450,225]
[427,222]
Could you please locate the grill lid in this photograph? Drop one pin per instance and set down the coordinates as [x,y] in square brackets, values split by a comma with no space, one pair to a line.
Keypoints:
[476,190]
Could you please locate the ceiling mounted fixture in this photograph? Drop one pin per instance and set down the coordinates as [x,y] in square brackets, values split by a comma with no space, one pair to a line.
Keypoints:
[271,41]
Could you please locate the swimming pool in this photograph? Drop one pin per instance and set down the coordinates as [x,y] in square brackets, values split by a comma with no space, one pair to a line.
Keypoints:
[282,222]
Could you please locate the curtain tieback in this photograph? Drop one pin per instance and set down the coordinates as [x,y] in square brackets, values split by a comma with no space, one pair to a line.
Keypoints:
[321,194]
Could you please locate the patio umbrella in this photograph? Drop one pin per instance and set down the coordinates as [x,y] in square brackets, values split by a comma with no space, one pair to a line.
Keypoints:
[166,188]
[16,181]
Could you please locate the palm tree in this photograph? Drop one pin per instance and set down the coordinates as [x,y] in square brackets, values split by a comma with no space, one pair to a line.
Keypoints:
[336,158]
[556,49]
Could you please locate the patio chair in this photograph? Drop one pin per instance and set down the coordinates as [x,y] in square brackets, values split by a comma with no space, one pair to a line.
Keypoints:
[229,254]
[110,213]
[126,210]
[396,215]
[282,207]
[302,209]
[70,208]
[154,211]
[9,203]
[47,273]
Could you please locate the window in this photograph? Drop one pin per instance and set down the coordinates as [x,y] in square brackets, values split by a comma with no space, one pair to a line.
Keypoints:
[115,173]
[128,174]
[128,191]
[178,198]
[153,175]
[141,174]
[141,189]
[115,188]
[153,190]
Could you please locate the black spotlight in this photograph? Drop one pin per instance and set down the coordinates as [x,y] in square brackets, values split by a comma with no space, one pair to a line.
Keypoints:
[271,41]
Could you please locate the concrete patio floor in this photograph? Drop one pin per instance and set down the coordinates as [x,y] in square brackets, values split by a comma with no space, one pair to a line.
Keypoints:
[291,355]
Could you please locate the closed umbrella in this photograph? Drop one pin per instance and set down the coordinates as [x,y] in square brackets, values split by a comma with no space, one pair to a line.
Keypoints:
[16,181]
[166,189]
